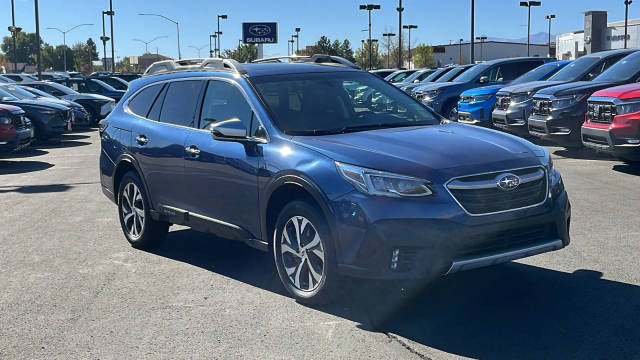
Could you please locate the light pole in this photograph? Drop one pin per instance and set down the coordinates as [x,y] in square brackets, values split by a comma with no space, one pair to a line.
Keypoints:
[373,41]
[460,56]
[297,40]
[549,17]
[400,9]
[64,41]
[197,48]
[473,32]
[38,55]
[295,36]
[626,19]
[211,50]
[104,38]
[482,39]
[528,5]
[177,29]
[219,33]
[409,27]
[388,35]
[290,46]
[146,43]
[369,8]
[111,13]
[14,33]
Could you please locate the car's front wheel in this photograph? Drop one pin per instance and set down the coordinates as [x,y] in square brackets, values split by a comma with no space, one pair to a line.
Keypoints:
[303,253]
[140,229]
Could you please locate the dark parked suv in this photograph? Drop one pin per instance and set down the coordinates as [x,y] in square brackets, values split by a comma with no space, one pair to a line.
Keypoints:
[15,129]
[281,157]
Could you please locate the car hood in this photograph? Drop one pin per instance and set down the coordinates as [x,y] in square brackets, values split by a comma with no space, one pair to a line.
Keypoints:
[74,97]
[579,87]
[529,87]
[437,86]
[25,103]
[66,103]
[485,90]
[436,152]
[622,92]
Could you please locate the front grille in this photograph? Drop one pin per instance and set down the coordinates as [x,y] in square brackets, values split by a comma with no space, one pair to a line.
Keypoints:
[19,123]
[600,112]
[510,238]
[542,106]
[502,102]
[485,199]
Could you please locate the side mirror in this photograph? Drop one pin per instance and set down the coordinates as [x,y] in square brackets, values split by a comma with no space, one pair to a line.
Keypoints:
[483,79]
[229,130]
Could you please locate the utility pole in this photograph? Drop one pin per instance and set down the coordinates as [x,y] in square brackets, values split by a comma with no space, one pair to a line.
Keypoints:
[369,8]
[113,51]
[38,57]
[400,9]
[292,37]
[14,33]
[388,35]
[528,5]
[297,40]
[460,56]
[482,39]
[409,27]
[552,16]
[473,15]
[626,20]
[104,38]
[219,33]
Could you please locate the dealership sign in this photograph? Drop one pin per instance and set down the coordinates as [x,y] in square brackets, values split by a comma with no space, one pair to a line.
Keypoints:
[260,33]
[617,37]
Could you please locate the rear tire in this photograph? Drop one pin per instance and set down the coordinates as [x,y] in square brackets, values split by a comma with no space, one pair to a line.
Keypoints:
[304,255]
[138,226]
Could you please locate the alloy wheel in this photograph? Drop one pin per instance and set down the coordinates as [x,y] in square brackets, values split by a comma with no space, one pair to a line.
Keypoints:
[302,253]
[132,210]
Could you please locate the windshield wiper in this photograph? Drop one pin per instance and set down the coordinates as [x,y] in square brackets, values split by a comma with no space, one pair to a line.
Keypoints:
[381,126]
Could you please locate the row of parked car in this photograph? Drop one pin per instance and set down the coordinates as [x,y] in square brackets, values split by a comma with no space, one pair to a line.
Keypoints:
[593,101]
[38,110]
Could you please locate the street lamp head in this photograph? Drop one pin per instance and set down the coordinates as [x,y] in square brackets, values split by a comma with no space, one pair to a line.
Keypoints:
[213,36]
[297,29]
[370,7]
[535,3]
[550,16]
[524,3]
[628,2]
[110,13]
[222,16]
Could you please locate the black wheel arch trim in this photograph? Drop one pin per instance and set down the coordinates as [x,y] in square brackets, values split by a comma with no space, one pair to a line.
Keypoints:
[128,158]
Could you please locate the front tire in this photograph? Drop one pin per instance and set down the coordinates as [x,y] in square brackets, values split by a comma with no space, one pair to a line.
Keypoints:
[139,228]
[303,253]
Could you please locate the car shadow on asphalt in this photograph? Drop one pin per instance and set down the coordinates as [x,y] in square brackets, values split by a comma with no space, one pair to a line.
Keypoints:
[582,154]
[20,167]
[509,311]
[59,143]
[35,189]
[628,169]
[25,153]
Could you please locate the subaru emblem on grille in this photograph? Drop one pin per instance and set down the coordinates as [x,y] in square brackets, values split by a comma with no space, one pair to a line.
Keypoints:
[508,182]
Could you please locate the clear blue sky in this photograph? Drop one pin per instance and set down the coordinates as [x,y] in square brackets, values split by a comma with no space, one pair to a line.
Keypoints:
[439,20]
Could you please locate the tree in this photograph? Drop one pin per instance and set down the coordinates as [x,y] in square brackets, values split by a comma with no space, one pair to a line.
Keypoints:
[27,46]
[346,51]
[423,56]
[327,47]
[84,53]
[243,53]
[362,57]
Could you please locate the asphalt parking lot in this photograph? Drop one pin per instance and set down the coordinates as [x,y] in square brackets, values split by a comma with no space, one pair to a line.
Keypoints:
[72,287]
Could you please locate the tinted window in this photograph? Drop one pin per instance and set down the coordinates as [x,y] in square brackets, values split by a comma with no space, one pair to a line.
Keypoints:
[327,103]
[539,73]
[224,101]
[180,102]
[473,73]
[154,114]
[13,77]
[50,89]
[623,70]
[452,74]
[574,71]
[93,87]
[142,102]
[511,71]
[437,74]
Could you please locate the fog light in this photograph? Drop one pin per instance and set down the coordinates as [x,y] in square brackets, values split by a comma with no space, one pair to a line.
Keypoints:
[563,130]
[633,141]
[395,254]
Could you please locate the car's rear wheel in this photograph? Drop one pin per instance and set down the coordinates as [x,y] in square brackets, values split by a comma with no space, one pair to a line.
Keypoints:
[139,228]
[303,253]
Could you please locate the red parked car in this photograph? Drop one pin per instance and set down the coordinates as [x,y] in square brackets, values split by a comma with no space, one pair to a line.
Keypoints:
[613,122]
[15,129]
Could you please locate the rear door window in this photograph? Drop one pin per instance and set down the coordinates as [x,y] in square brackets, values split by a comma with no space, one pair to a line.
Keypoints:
[180,102]
[141,103]
[510,71]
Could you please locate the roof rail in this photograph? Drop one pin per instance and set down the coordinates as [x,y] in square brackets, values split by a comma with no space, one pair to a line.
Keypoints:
[321,59]
[166,66]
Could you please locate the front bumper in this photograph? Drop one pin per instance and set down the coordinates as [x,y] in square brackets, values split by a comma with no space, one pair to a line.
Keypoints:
[476,113]
[439,239]
[605,139]
[23,138]
[562,131]
[514,119]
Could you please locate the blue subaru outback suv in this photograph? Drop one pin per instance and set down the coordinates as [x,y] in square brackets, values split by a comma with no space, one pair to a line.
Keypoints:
[281,157]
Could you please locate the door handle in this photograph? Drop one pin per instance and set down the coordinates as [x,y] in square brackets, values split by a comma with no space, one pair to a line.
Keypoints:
[193,151]
[142,140]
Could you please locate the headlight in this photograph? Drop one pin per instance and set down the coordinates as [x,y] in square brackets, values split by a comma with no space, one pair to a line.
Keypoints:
[547,161]
[567,101]
[478,98]
[627,108]
[374,182]
[46,111]
[520,97]
[5,121]
[431,94]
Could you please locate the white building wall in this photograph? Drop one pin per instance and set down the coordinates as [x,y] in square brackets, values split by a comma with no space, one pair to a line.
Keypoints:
[613,39]
[490,51]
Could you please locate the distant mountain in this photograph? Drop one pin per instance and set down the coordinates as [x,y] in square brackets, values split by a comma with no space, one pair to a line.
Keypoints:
[537,38]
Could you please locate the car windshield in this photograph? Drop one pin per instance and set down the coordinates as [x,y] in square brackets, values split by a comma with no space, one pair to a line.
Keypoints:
[338,102]
[575,70]
[6,96]
[435,75]
[37,92]
[104,85]
[622,71]
[62,88]
[18,92]
[473,73]
[452,74]
[540,73]
[417,75]
[116,83]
